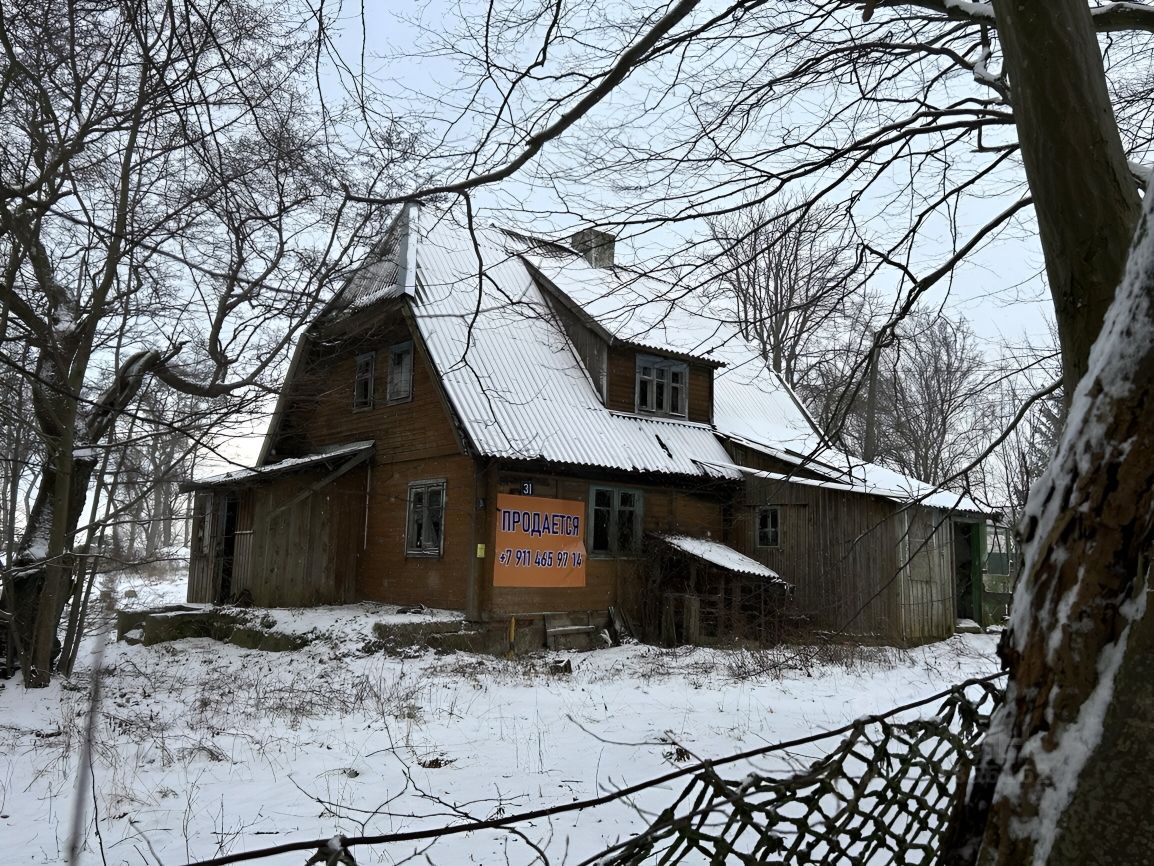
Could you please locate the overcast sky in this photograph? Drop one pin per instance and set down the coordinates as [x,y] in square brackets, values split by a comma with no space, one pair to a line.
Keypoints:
[999,290]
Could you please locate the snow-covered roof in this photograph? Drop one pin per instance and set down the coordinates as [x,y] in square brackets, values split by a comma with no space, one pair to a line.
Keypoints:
[290,464]
[716,553]
[636,308]
[520,390]
[512,376]
[869,479]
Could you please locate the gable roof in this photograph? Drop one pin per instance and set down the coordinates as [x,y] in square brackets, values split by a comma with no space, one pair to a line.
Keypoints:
[520,391]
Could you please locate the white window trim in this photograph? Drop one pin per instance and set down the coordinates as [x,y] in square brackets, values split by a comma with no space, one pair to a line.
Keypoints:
[668,364]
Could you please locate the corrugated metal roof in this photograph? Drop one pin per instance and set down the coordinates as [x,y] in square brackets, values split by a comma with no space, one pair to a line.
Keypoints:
[638,309]
[520,391]
[750,401]
[512,376]
[723,556]
[291,464]
[873,480]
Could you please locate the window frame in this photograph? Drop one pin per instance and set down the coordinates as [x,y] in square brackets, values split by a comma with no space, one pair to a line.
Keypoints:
[775,529]
[614,528]
[668,366]
[405,347]
[424,485]
[364,374]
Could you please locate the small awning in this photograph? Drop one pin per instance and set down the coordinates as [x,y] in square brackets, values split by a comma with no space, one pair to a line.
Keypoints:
[352,454]
[714,553]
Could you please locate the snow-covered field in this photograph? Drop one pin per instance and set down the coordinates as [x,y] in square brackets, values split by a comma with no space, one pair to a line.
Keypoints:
[204,748]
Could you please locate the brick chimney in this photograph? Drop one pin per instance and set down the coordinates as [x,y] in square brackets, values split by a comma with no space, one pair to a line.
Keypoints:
[595,245]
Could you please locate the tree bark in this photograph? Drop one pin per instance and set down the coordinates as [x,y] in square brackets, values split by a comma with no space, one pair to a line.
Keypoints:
[1078,703]
[44,567]
[1085,198]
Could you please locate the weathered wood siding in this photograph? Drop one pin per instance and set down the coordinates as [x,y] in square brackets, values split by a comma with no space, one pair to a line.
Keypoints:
[622,392]
[610,580]
[386,572]
[416,440]
[925,545]
[322,412]
[286,550]
[242,555]
[837,548]
[306,552]
[200,550]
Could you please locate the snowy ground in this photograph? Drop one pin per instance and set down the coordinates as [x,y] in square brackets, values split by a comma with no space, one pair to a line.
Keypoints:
[204,748]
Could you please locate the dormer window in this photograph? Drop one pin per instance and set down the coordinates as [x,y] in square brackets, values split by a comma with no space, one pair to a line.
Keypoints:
[661,385]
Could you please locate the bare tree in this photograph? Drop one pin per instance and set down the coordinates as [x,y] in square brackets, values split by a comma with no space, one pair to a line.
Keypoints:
[169,210]
[934,398]
[787,276]
[1029,442]
[898,110]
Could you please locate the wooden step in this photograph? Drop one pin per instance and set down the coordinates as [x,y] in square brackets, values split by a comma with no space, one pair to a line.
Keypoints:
[571,629]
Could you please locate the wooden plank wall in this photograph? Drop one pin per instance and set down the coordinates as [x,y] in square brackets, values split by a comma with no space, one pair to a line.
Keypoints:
[386,573]
[838,549]
[308,551]
[416,440]
[610,581]
[622,392]
[242,557]
[927,588]
[200,590]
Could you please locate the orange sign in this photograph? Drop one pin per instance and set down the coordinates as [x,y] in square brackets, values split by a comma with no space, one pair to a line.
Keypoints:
[540,542]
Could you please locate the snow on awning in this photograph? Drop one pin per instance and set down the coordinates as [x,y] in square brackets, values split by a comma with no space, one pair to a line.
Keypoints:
[723,556]
[291,464]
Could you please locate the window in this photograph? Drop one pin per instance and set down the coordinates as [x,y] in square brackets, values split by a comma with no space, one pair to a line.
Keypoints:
[363,381]
[768,526]
[616,520]
[400,386]
[426,518]
[661,385]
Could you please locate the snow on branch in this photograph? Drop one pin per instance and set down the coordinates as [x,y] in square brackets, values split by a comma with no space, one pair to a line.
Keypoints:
[1107,18]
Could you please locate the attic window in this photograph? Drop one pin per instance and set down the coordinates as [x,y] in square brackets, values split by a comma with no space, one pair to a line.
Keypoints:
[363,381]
[661,385]
[400,387]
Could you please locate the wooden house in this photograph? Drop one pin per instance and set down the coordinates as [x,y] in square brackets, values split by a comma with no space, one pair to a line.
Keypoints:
[517,427]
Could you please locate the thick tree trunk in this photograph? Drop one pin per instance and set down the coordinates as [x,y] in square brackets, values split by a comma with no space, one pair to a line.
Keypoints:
[44,567]
[1084,194]
[1078,703]
[1099,827]
[43,578]
[1078,706]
